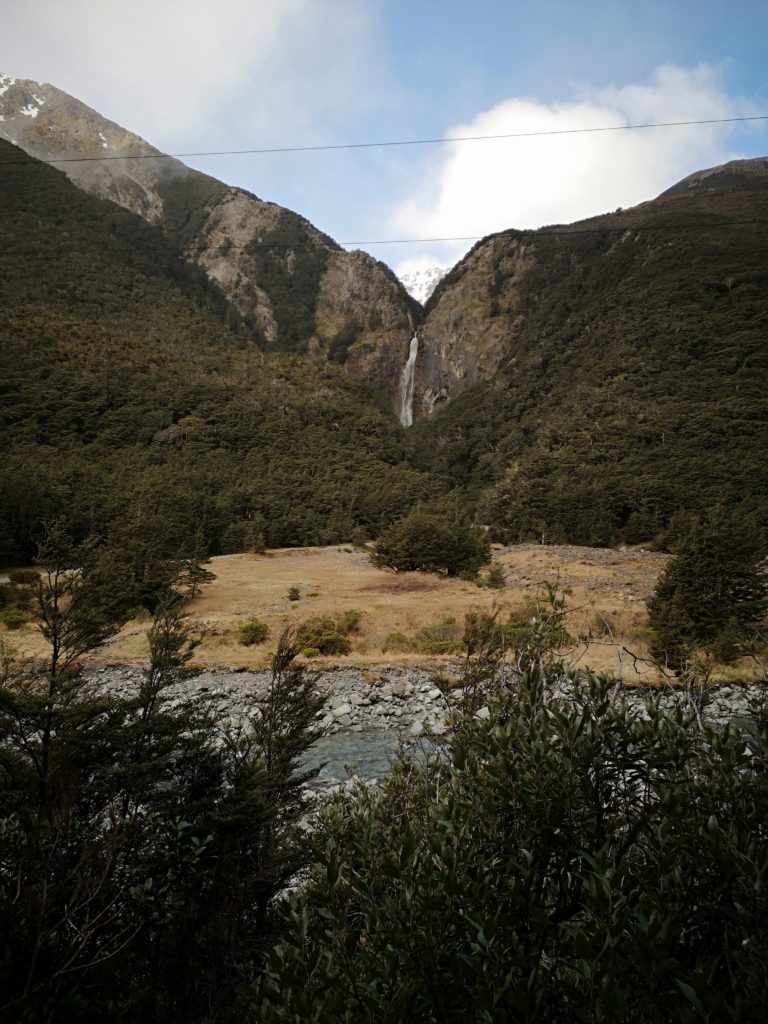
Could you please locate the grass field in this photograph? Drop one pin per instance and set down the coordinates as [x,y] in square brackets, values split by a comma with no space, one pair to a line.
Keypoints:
[607,596]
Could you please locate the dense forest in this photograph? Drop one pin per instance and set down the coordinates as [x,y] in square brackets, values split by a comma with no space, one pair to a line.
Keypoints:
[133,398]
[633,383]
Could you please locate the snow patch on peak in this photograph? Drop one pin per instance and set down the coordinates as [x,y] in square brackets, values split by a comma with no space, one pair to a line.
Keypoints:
[422,282]
[30,110]
[6,81]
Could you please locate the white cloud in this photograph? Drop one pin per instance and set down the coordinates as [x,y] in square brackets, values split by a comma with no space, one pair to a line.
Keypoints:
[474,188]
[182,71]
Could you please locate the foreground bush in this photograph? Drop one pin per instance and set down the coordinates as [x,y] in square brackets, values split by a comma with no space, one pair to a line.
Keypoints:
[141,843]
[573,862]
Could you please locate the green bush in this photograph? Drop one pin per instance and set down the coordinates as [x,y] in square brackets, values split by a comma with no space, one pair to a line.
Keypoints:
[137,611]
[332,643]
[329,634]
[398,642]
[429,543]
[443,637]
[253,632]
[568,860]
[349,621]
[294,594]
[12,618]
[495,578]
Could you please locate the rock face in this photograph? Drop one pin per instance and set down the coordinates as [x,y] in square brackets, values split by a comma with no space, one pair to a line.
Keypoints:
[465,334]
[295,289]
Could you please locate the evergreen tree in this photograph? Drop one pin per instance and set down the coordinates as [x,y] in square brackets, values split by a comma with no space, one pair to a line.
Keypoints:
[142,842]
[712,592]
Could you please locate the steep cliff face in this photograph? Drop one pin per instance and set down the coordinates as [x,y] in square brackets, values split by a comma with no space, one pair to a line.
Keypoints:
[472,321]
[294,287]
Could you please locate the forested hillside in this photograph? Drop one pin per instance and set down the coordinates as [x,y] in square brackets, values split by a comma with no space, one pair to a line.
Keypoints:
[632,366]
[296,289]
[134,400]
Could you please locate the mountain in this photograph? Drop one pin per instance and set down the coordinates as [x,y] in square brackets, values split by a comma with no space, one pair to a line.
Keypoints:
[583,382]
[588,381]
[134,404]
[421,283]
[295,289]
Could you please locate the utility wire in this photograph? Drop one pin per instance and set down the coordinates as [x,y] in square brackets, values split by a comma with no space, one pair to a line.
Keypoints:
[532,234]
[386,144]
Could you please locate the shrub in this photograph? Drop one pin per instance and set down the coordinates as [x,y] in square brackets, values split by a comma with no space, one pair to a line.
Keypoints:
[328,634]
[496,577]
[253,632]
[12,618]
[24,577]
[443,637]
[137,611]
[294,594]
[333,643]
[429,543]
[398,642]
[349,621]
[568,860]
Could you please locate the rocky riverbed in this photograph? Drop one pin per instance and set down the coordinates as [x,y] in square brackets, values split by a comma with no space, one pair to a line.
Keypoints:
[369,713]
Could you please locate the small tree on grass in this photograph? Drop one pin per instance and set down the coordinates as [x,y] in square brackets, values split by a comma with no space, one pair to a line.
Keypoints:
[426,542]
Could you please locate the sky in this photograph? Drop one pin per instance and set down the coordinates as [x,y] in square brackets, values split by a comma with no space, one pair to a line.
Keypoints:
[191,75]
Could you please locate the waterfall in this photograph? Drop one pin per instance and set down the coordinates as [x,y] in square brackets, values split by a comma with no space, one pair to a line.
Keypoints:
[409,383]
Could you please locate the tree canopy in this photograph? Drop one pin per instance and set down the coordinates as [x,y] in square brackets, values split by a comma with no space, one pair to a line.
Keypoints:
[432,543]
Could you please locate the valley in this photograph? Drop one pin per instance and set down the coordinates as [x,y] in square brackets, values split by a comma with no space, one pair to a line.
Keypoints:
[492,536]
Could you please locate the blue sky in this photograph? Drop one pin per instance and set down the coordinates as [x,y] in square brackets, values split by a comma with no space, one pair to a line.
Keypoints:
[191,74]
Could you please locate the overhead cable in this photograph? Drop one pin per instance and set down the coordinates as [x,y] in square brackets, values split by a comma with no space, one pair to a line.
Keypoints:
[386,144]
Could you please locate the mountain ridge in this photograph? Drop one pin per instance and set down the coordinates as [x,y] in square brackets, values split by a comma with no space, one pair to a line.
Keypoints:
[294,287]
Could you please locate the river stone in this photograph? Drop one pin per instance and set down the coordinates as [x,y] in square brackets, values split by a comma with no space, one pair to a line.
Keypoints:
[484,713]
[417,729]
[342,710]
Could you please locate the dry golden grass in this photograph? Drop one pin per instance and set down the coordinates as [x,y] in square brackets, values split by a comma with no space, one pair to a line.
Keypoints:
[608,591]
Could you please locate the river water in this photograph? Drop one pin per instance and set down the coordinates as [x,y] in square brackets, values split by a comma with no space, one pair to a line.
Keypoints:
[366,754]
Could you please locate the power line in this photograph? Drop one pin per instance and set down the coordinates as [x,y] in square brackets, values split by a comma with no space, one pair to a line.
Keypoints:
[532,233]
[388,143]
